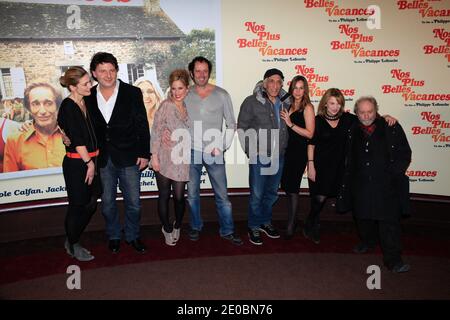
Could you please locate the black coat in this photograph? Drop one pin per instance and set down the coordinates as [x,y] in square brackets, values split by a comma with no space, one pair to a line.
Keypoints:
[126,136]
[375,185]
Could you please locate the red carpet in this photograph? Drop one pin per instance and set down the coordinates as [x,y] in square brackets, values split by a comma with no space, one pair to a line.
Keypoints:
[50,258]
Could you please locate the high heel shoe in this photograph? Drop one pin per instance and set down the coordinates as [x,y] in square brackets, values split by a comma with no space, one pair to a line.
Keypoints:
[168,237]
[175,233]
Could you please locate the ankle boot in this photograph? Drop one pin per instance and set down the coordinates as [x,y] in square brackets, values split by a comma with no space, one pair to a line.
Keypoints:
[307,229]
[168,237]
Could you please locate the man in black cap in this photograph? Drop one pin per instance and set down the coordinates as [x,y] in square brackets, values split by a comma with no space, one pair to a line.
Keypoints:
[263,136]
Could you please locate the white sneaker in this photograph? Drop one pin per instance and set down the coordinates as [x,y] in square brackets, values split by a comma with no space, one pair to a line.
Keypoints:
[168,237]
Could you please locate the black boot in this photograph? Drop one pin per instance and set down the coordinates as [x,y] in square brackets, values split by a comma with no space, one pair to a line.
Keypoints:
[309,222]
[292,215]
[312,224]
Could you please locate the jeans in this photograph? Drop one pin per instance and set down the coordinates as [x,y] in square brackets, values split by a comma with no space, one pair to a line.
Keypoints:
[128,179]
[263,191]
[216,171]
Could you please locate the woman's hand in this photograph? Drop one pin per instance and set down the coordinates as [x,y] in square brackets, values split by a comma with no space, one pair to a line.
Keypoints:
[284,114]
[155,163]
[390,120]
[311,171]
[90,173]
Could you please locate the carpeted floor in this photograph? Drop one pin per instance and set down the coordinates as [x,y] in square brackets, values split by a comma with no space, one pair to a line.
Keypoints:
[243,277]
[213,268]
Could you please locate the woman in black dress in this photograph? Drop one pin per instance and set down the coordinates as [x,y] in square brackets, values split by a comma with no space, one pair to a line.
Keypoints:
[326,155]
[79,164]
[299,118]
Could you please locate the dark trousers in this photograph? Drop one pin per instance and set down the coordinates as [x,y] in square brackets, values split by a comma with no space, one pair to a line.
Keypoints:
[387,233]
[82,198]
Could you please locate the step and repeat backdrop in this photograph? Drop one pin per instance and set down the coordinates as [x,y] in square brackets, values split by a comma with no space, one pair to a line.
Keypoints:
[397,51]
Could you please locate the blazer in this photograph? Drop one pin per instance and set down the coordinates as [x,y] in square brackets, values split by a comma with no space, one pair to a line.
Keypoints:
[126,136]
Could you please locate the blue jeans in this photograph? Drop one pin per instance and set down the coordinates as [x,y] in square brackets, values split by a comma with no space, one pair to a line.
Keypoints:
[128,179]
[263,191]
[216,171]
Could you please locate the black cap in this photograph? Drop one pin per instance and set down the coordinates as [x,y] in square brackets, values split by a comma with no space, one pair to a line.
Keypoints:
[272,72]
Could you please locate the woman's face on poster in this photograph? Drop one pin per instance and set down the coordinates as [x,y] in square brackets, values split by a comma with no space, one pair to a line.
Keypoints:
[149,94]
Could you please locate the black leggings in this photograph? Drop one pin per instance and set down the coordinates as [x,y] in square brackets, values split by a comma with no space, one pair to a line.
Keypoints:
[317,202]
[165,186]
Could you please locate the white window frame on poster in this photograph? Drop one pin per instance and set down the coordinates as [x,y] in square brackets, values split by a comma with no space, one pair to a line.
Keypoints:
[17,82]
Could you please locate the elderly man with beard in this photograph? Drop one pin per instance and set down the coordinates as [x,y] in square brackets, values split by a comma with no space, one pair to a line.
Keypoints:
[375,186]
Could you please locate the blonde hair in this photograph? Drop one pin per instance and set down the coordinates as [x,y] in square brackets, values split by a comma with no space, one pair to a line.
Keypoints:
[157,94]
[179,74]
[332,92]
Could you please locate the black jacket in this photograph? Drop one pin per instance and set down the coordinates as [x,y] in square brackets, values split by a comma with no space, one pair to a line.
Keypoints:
[127,135]
[375,185]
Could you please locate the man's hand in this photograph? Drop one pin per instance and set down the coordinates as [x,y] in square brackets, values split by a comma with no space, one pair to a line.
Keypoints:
[142,163]
[65,139]
[27,125]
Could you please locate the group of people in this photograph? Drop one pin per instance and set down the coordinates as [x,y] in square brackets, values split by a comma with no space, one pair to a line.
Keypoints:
[360,160]
[13,109]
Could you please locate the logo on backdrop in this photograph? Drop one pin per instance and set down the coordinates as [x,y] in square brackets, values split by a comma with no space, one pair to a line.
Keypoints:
[436,127]
[315,79]
[426,9]
[334,10]
[406,88]
[443,48]
[355,41]
[421,176]
[262,40]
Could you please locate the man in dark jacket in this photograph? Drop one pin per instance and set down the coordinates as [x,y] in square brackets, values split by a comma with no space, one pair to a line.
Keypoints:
[123,135]
[263,136]
[377,158]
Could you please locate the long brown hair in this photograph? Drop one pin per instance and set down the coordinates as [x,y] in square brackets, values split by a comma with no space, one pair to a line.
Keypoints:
[305,99]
